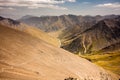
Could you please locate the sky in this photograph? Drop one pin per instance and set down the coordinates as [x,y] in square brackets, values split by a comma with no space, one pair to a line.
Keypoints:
[18,8]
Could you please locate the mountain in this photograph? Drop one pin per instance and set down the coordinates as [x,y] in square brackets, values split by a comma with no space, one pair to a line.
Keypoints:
[25,57]
[27,16]
[99,44]
[96,38]
[99,36]
[30,30]
[55,23]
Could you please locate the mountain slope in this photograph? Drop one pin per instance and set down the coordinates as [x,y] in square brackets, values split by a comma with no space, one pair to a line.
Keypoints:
[30,30]
[99,36]
[24,57]
[99,44]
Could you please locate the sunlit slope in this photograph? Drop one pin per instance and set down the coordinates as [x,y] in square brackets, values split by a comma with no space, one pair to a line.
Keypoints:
[109,61]
[24,57]
[35,32]
[43,36]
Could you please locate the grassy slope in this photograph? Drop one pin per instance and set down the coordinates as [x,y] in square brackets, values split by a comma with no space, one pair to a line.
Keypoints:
[110,61]
[55,33]
[43,36]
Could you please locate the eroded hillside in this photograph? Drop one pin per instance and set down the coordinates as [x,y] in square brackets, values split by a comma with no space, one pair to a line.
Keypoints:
[104,33]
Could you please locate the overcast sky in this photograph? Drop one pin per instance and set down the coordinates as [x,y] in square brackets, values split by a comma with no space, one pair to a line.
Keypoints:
[17,8]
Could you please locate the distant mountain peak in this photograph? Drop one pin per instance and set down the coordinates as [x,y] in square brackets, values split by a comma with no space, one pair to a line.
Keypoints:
[1,18]
[9,20]
[27,16]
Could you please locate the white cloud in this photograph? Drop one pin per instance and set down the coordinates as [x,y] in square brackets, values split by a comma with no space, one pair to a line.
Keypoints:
[46,6]
[6,8]
[35,3]
[71,0]
[109,5]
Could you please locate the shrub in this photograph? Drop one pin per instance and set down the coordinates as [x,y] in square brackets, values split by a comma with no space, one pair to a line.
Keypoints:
[70,78]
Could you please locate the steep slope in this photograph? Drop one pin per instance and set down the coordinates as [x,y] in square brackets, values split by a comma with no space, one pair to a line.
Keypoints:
[30,30]
[101,35]
[24,57]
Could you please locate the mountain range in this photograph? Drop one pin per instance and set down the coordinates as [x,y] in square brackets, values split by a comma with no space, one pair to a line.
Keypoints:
[54,23]
[24,56]
[96,38]
[34,54]
[83,34]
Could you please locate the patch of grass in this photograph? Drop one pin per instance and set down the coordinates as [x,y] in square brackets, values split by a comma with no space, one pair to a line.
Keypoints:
[109,61]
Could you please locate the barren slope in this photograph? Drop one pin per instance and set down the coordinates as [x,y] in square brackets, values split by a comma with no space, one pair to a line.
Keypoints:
[23,57]
[30,30]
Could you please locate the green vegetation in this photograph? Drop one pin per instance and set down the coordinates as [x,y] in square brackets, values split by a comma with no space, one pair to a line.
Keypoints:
[109,61]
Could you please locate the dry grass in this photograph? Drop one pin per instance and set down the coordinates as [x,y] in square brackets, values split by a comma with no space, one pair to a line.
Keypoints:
[110,61]
[43,36]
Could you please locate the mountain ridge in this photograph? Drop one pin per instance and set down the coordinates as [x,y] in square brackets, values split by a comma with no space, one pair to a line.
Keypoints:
[54,23]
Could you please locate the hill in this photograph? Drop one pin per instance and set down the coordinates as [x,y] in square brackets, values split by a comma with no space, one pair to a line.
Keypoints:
[30,30]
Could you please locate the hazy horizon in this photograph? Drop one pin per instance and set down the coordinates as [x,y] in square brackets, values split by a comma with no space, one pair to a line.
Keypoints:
[18,8]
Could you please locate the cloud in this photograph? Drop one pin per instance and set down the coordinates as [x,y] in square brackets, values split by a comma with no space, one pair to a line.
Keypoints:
[6,8]
[109,5]
[47,6]
[53,4]
[71,0]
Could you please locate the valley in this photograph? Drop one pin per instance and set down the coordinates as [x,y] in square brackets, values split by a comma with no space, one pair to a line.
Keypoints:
[34,54]
[59,39]
[86,36]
